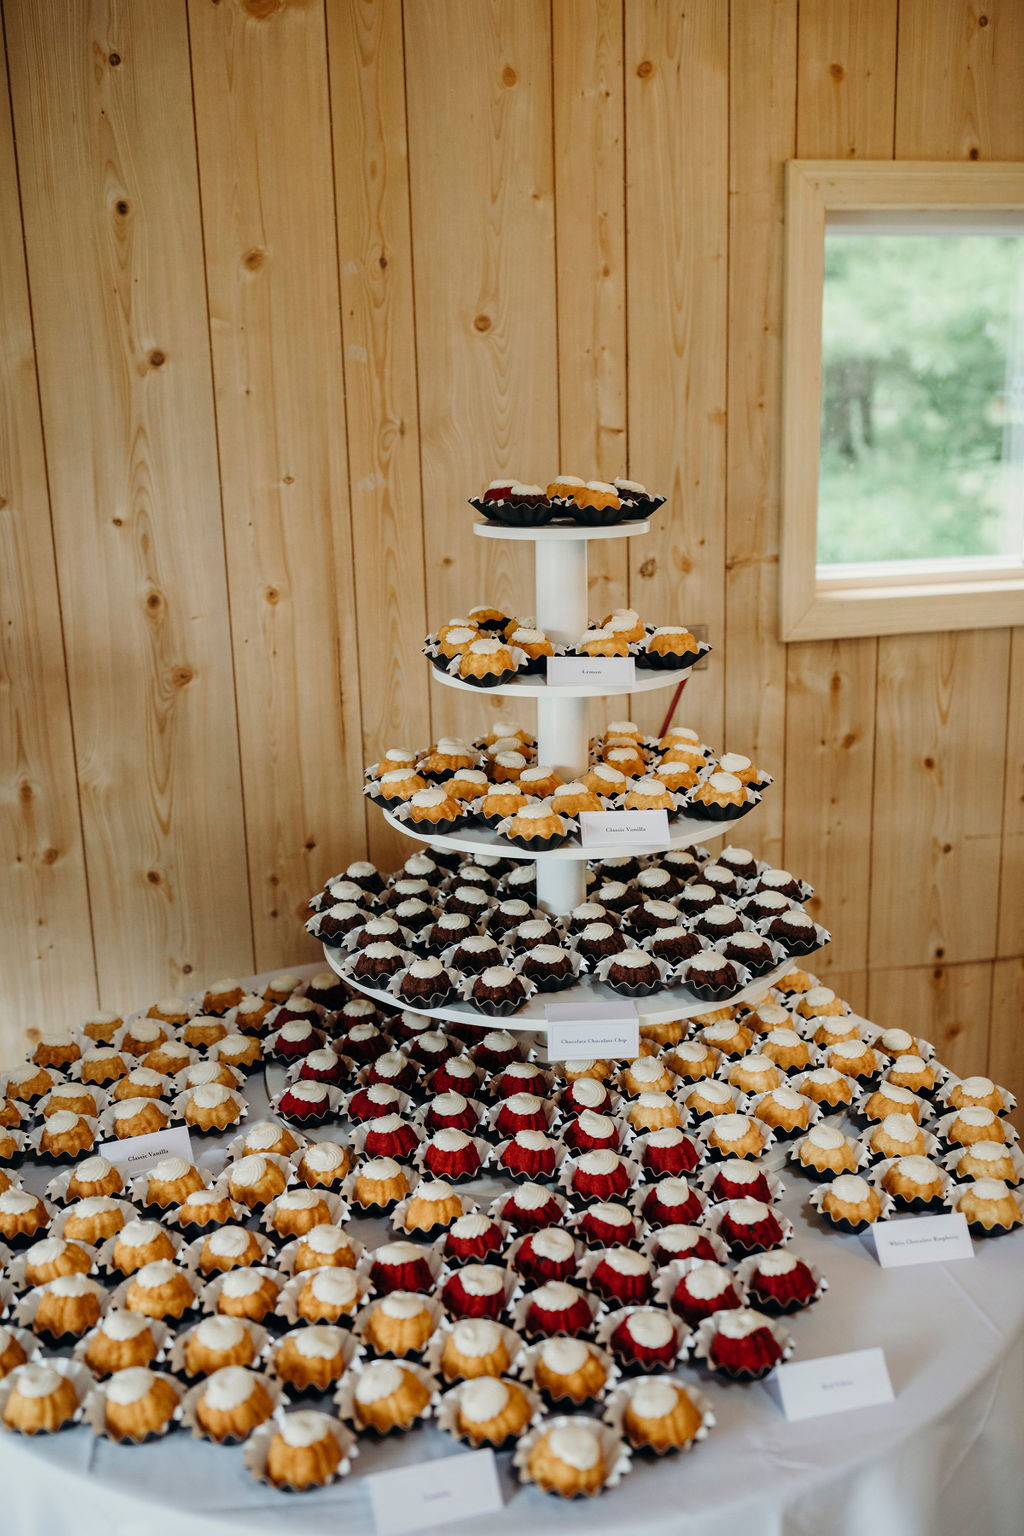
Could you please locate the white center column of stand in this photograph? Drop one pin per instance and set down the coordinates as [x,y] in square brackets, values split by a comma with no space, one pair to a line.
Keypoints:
[561,612]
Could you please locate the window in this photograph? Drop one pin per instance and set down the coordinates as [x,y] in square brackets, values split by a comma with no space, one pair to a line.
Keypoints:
[903,447]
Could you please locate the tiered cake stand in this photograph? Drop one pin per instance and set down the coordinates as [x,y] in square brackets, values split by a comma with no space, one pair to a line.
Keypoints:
[560,575]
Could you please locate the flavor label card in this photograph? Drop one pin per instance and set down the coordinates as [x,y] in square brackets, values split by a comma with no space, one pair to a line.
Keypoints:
[572,671]
[434,1493]
[578,1031]
[809,1389]
[922,1240]
[137,1154]
[632,828]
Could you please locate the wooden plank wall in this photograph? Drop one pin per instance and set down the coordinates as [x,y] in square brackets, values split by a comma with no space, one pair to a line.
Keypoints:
[280,283]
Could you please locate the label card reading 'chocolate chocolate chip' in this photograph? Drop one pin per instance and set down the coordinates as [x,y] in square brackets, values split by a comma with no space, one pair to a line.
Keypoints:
[581,1031]
[809,1389]
[599,829]
[609,671]
[434,1493]
[137,1154]
[922,1240]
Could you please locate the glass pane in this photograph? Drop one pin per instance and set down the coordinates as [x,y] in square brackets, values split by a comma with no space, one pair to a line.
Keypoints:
[922,412]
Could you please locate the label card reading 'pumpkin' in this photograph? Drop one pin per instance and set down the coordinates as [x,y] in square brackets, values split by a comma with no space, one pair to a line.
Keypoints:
[573,671]
[808,1389]
[580,1031]
[137,1154]
[599,829]
[434,1493]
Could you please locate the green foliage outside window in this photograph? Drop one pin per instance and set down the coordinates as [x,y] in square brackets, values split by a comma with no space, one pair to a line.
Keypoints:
[922,419]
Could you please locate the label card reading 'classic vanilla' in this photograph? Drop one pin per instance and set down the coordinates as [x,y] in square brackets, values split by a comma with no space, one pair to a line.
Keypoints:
[434,1493]
[633,828]
[922,1240]
[137,1154]
[580,1031]
[572,671]
[809,1389]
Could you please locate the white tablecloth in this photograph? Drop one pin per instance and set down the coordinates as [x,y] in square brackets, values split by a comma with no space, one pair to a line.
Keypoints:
[944,1459]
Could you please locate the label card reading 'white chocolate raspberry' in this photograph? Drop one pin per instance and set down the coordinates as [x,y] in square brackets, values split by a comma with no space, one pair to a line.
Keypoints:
[598,829]
[922,1240]
[137,1154]
[572,671]
[809,1389]
[434,1493]
[585,1031]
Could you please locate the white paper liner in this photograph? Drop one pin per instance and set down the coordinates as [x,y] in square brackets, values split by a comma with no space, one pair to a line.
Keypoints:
[589,1261]
[512,1341]
[403,813]
[862,1154]
[29,1343]
[448,1413]
[59,1221]
[284,1164]
[398,1216]
[951,1082]
[943,1126]
[669,1276]
[548,1108]
[931,1145]
[666,972]
[288,1297]
[519,658]
[706,1330]
[361,1130]
[957,1191]
[55,1075]
[79,1375]
[712,1220]
[364,1212]
[950,1160]
[642,1192]
[347,969]
[798,1080]
[872,1033]
[105,1252]
[512,1284]
[257,1447]
[766,1131]
[191,1400]
[747,1268]
[287,1255]
[521,1307]
[337,1099]
[568,1169]
[821,938]
[338,1209]
[345,1396]
[105,1124]
[17,1263]
[465,993]
[500,1171]
[138,1188]
[6,1297]
[99,1097]
[700,1119]
[178,1085]
[495,1208]
[819,1192]
[348,1342]
[430,1251]
[707,1176]
[189,1256]
[26,1308]
[48,1159]
[371,1351]
[401,1106]
[19,1243]
[615,1451]
[638,1142]
[484,1151]
[94,1412]
[18,1137]
[239,1213]
[879,1171]
[618,1401]
[159,1332]
[511,1253]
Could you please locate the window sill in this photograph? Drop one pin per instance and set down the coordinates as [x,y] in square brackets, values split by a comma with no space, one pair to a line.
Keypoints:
[838,611]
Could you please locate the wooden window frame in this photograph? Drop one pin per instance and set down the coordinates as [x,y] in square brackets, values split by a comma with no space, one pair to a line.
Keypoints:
[990,594]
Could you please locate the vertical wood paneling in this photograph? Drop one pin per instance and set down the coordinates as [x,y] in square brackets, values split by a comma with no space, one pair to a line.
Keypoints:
[371,179]
[677,127]
[936,822]
[590,245]
[1011,873]
[851,985]
[103,121]
[846,103]
[263,137]
[1006,1039]
[947,1004]
[479,105]
[961,80]
[46,954]
[762,96]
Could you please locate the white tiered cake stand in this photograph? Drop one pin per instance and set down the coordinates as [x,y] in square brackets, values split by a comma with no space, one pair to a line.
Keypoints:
[560,576]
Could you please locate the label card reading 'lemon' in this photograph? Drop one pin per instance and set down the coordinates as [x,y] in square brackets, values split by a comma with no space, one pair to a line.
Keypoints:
[434,1493]
[572,671]
[633,828]
[580,1031]
[808,1389]
[137,1154]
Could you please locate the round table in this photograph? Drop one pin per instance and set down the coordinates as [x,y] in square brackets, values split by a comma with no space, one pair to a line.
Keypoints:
[944,1457]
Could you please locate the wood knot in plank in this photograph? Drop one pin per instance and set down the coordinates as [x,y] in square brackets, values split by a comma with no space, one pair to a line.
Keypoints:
[154,602]
[482,323]
[122,207]
[262,10]
[50,856]
[982,21]
[153,876]
[25,792]
[272,595]
[929,762]
[182,675]
[157,358]
[508,75]
[648,568]
[645,69]
[837,72]
[253,259]
[114,60]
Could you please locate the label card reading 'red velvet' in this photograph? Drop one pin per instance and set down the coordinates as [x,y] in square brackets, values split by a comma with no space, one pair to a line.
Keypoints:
[434,1493]
[579,1031]
[922,1240]
[137,1154]
[632,828]
[808,1389]
[572,671]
